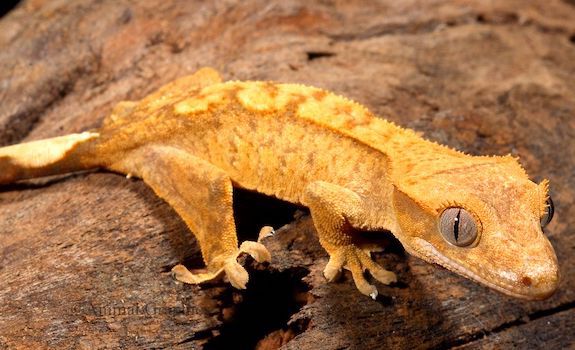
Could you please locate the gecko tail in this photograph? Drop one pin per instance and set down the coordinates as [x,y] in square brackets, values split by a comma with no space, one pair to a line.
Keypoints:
[58,155]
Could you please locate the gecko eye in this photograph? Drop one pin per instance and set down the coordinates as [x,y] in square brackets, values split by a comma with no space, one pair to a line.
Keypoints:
[548,215]
[458,227]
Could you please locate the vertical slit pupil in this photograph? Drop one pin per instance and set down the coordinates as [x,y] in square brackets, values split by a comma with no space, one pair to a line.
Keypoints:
[456,226]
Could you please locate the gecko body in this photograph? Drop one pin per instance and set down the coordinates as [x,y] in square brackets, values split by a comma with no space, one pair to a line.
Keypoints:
[196,138]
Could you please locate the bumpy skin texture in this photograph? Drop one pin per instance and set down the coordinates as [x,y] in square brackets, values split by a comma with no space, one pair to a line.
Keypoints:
[195,138]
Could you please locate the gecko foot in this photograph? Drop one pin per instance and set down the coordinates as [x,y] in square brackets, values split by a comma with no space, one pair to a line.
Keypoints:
[235,273]
[357,261]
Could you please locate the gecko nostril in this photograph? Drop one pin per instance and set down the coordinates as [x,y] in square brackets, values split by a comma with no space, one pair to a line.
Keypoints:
[526,281]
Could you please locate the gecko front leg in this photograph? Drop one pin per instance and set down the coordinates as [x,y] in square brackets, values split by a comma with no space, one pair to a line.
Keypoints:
[202,195]
[337,213]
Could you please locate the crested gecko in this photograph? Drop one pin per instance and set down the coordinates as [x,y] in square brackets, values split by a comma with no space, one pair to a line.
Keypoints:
[196,138]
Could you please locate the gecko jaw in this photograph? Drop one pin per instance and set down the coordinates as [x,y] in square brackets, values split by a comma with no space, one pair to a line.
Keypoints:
[434,256]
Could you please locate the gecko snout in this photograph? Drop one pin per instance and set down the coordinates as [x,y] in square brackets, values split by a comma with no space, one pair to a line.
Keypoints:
[541,282]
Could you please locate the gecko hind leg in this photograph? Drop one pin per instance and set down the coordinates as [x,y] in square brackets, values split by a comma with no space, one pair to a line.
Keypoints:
[202,195]
[336,211]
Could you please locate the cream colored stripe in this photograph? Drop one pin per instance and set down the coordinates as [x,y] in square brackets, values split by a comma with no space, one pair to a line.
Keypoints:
[44,152]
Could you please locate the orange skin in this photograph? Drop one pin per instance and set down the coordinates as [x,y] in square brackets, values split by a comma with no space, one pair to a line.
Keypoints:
[195,138]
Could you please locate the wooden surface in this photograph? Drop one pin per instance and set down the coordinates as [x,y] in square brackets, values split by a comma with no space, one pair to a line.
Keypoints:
[85,259]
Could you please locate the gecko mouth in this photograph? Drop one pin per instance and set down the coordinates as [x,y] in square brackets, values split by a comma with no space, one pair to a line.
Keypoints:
[529,292]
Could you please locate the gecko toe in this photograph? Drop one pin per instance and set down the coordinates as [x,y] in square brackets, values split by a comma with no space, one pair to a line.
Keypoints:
[384,276]
[265,232]
[333,268]
[256,250]
[379,273]
[331,273]
[354,265]
[236,274]
[182,274]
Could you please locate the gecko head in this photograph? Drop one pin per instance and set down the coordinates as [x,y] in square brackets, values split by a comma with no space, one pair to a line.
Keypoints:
[482,218]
